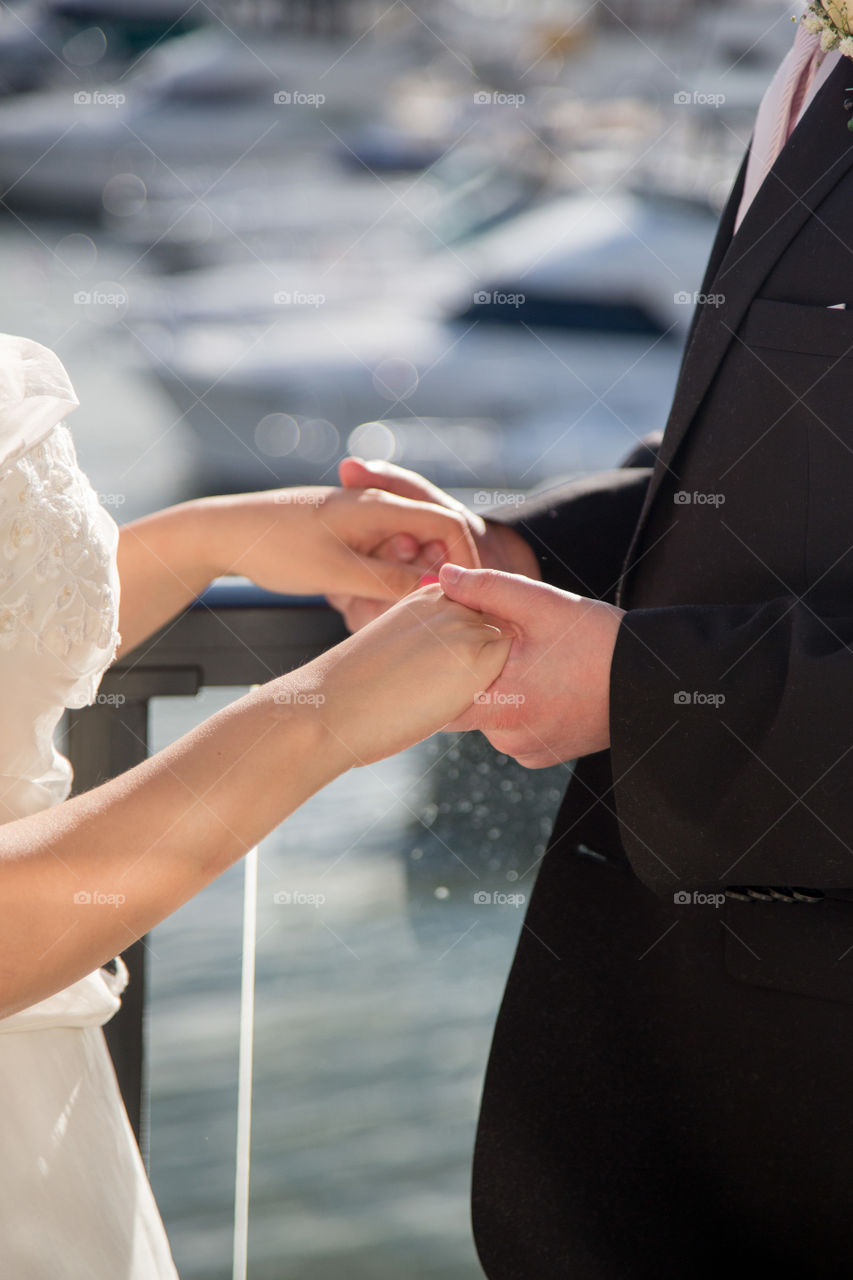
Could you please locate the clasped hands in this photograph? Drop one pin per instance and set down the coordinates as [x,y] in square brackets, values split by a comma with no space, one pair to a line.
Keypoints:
[551,701]
[368,544]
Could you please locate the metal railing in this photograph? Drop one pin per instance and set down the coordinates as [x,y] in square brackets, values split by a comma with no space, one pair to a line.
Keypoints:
[234,634]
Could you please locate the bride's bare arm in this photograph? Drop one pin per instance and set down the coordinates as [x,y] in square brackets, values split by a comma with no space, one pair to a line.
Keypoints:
[316,539]
[145,842]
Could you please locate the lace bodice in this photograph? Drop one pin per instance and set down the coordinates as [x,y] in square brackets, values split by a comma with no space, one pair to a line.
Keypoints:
[59,595]
[59,586]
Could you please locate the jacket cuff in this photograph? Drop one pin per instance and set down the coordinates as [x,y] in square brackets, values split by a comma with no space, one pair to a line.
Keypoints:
[580,532]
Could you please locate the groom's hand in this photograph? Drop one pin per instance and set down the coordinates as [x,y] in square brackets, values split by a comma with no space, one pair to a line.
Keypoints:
[551,702]
[498,546]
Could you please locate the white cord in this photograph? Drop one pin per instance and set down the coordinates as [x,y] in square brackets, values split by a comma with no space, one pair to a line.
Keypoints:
[244,1071]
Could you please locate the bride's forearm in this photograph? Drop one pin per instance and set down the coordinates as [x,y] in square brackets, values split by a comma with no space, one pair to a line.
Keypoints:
[80,882]
[164,561]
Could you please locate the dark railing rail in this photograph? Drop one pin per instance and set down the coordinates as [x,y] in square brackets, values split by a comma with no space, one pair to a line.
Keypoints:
[234,634]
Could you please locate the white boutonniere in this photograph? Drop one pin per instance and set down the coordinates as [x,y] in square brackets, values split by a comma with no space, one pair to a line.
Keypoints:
[832,20]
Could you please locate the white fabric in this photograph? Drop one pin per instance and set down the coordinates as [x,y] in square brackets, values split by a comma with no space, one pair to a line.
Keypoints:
[74,1198]
[802,72]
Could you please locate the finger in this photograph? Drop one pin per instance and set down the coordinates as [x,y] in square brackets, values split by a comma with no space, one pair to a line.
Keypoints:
[433,555]
[406,549]
[506,595]
[355,473]
[402,547]
[387,515]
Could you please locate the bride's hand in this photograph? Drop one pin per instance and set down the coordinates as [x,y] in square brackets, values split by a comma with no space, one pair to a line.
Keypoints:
[321,539]
[401,678]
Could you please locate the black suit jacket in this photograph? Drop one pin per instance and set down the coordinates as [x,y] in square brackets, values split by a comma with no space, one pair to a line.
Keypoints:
[670,1081]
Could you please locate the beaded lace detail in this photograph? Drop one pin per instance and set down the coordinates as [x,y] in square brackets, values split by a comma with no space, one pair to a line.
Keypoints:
[58,588]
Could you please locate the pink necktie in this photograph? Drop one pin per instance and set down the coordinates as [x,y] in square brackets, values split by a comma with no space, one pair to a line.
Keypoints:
[778,112]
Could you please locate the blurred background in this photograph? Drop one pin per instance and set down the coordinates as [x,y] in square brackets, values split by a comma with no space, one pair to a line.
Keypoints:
[463,235]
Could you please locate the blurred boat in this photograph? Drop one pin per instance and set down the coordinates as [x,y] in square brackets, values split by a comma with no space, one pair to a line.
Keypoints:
[313,208]
[129,27]
[30,46]
[307,211]
[321,229]
[56,41]
[557,335]
[195,114]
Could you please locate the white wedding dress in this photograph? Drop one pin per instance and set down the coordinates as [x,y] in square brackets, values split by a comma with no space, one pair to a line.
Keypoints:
[74,1198]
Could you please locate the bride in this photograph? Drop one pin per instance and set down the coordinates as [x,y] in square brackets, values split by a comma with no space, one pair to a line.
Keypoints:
[75,1199]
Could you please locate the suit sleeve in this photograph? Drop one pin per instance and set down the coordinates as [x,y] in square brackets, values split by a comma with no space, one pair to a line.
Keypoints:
[732,744]
[580,531]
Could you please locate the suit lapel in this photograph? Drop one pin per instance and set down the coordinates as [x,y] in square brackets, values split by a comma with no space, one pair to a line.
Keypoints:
[725,232]
[815,158]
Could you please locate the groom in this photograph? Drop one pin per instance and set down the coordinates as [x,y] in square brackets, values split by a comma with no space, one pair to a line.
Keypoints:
[670,1089]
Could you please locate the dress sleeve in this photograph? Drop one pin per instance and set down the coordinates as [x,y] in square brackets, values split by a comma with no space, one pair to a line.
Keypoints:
[35,394]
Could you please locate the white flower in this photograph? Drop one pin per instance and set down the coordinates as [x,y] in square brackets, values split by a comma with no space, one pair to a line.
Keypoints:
[812,24]
[828,41]
[846,46]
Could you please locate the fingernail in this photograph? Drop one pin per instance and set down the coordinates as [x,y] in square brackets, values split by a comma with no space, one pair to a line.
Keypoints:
[452,572]
[428,580]
[405,549]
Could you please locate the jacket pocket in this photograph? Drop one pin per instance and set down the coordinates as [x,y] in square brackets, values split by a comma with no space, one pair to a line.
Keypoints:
[793,326]
[802,948]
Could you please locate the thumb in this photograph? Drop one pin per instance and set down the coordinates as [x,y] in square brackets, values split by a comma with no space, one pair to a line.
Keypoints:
[506,595]
[355,473]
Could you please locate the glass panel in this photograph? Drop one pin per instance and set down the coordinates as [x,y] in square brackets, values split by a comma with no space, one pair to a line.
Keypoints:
[379,974]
